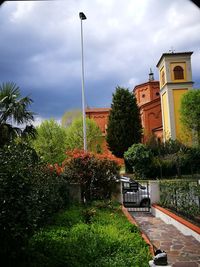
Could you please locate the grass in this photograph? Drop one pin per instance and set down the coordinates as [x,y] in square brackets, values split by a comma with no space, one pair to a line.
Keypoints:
[92,236]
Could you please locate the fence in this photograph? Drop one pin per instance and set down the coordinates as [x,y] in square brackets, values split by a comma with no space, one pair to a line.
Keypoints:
[182,196]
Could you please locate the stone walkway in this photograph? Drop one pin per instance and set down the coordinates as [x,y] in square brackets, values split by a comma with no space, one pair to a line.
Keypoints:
[182,251]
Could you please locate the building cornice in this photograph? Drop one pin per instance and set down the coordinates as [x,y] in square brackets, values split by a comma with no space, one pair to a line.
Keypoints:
[173,54]
[146,84]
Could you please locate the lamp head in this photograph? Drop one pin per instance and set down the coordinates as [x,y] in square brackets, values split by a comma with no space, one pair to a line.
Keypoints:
[82,16]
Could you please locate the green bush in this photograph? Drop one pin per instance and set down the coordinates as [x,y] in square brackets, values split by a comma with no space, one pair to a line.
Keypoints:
[109,240]
[139,157]
[181,196]
[29,194]
[162,160]
[96,174]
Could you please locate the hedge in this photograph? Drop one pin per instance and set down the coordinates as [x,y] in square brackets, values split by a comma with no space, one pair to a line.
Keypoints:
[29,194]
[183,196]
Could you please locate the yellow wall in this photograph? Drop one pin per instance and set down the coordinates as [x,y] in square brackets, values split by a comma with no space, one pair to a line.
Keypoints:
[181,64]
[166,128]
[177,95]
[162,75]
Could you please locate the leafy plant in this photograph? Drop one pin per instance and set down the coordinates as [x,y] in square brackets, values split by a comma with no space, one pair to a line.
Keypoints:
[74,139]
[139,157]
[29,194]
[108,240]
[124,125]
[95,173]
[14,108]
[182,197]
[50,143]
[190,112]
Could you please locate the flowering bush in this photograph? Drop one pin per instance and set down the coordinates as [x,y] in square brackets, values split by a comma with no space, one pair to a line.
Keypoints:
[95,173]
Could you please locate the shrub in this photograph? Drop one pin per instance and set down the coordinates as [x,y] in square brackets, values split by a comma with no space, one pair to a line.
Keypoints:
[96,174]
[29,194]
[173,158]
[139,157]
[109,240]
[181,196]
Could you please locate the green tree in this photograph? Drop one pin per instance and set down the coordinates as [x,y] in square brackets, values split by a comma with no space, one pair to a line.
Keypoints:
[75,135]
[69,116]
[96,174]
[13,113]
[139,157]
[124,125]
[190,112]
[50,143]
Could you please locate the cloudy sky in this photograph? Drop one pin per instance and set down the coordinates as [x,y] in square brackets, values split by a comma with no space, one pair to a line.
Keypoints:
[40,48]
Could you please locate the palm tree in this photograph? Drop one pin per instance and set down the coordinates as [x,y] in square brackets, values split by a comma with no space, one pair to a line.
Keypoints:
[14,112]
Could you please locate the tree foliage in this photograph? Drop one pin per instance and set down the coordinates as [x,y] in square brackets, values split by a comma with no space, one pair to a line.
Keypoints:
[30,193]
[13,113]
[50,143]
[124,125]
[95,174]
[139,157]
[70,116]
[75,135]
[190,112]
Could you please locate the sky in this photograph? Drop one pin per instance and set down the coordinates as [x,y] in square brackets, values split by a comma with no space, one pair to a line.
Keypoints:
[40,48]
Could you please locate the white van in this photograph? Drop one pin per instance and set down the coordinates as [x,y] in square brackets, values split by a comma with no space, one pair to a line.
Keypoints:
[134,193]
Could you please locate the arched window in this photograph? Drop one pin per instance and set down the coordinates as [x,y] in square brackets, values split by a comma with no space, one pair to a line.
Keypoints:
[178,73]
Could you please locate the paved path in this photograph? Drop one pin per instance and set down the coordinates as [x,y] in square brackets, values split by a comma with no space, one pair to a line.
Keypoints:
[182,251]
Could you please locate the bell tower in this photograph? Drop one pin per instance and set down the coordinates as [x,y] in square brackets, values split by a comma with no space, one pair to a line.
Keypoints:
[175,77]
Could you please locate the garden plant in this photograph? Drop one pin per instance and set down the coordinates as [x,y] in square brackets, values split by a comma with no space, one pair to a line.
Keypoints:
[98,235]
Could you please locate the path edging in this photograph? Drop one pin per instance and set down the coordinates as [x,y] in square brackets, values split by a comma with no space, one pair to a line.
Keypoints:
[181,224]
[144,236]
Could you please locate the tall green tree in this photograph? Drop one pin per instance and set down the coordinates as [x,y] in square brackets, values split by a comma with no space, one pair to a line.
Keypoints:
[124,125]
[50,143]
[190,112]
[14,114]
[75,135]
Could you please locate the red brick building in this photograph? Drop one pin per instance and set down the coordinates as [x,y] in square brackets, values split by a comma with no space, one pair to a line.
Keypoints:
[100,115]
[148,100]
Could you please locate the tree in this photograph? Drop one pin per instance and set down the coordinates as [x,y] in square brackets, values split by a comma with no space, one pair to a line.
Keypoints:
[69,116]
[75,135]
[124,125]
[190,112]
[14,112]
[50,143]
[139,157]
[96,174]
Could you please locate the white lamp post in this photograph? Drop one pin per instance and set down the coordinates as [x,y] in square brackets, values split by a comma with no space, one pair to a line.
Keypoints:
[83,17]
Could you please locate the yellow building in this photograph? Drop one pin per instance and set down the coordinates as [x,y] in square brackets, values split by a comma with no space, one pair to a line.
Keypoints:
[175,75]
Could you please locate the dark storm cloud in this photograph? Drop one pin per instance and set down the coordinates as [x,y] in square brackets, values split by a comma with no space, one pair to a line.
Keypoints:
[40,47]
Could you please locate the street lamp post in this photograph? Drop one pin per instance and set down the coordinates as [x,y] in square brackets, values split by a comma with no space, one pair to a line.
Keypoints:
[83,17]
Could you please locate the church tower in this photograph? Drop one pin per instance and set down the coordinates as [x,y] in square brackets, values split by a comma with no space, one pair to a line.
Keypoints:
[175,77]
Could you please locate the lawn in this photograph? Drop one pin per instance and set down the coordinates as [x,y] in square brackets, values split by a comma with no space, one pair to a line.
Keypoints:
[95,235]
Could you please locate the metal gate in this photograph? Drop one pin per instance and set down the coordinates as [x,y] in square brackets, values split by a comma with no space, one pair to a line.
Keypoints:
[136,196]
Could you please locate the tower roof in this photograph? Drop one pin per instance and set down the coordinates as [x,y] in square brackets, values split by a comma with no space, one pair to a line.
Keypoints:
[173,54]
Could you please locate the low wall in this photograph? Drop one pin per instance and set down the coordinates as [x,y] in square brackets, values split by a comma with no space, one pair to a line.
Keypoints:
[154,190]
[181,224]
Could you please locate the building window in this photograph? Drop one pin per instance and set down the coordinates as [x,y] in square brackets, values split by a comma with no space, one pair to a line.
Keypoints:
[178,73]
[157,93]
[143,95]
